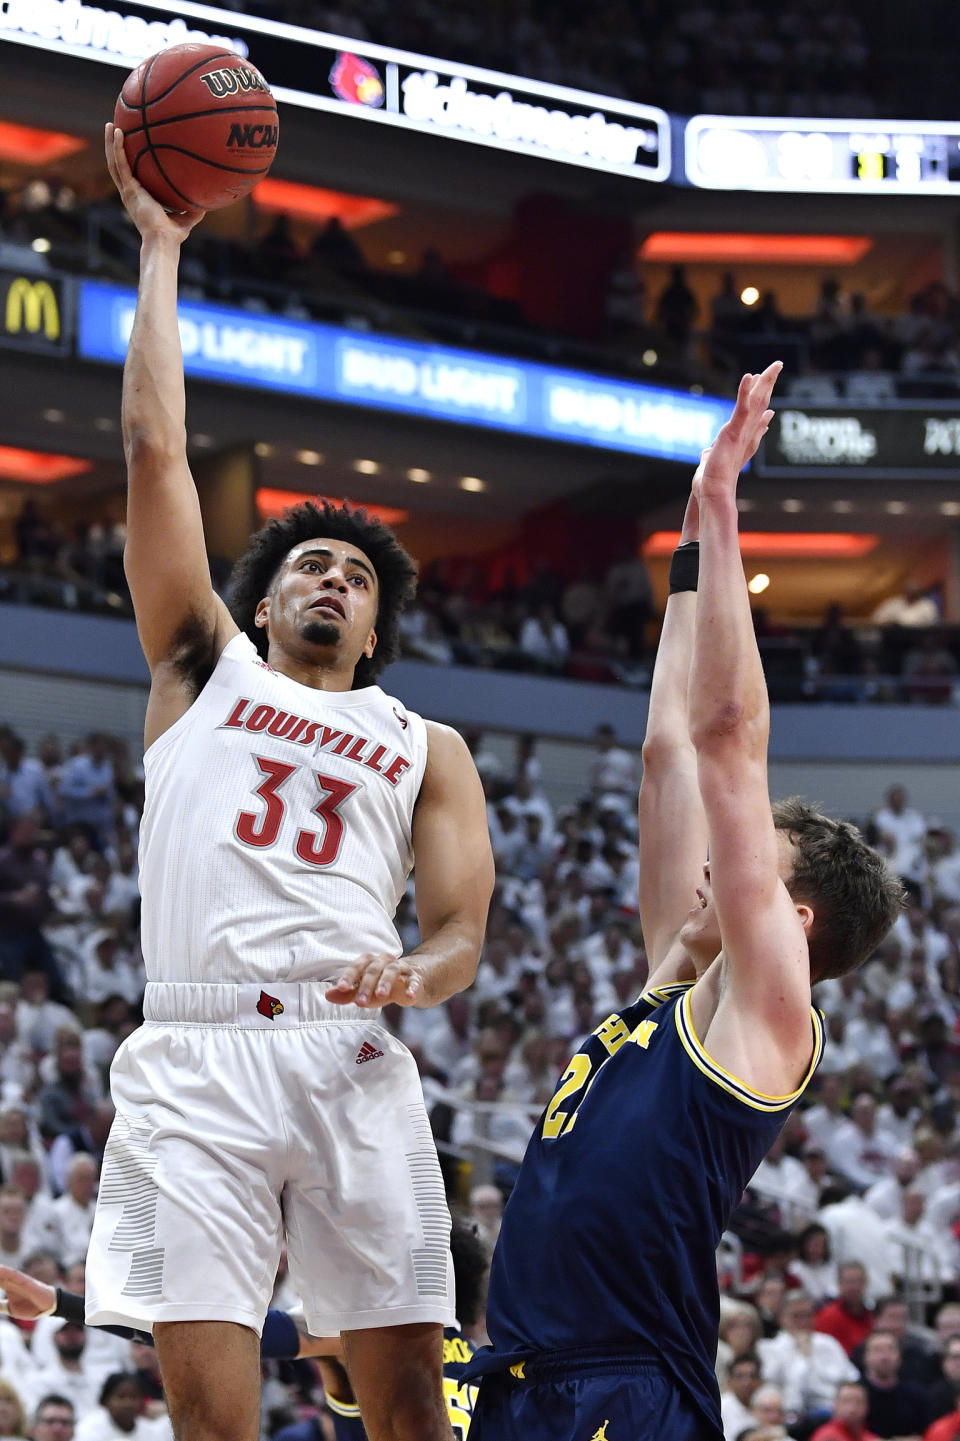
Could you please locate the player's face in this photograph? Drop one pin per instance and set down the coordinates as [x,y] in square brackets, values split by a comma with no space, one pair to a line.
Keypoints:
[323,603]
[700,932]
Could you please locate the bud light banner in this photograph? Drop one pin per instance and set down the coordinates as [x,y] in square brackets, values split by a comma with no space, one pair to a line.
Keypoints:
[331,363]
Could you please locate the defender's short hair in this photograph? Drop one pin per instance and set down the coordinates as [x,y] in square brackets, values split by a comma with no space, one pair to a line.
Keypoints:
[855,896]
[255,571]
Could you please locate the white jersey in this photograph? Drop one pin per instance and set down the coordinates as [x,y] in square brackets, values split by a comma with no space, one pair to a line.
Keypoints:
[276,836]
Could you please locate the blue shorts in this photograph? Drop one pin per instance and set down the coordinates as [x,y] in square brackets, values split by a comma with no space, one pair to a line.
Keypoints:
[601,1401]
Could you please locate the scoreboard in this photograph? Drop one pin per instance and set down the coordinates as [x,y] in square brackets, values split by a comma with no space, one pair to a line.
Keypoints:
[851,157]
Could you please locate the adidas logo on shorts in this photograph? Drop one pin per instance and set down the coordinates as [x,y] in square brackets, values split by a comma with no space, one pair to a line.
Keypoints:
[367,1052]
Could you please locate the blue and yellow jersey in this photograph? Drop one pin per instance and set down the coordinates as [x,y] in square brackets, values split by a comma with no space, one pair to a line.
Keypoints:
[460,1398]
[608,1241]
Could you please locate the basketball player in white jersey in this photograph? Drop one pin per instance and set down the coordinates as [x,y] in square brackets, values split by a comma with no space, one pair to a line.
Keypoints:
[287,797]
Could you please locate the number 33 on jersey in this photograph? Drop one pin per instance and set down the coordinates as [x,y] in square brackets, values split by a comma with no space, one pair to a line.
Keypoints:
[299,854]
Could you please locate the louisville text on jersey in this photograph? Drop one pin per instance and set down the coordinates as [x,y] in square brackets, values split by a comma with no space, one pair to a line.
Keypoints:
[249,715]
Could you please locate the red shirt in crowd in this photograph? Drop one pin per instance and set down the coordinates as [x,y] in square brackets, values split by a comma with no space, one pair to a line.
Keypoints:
[838,1431]
[946,1429]
[836,1321]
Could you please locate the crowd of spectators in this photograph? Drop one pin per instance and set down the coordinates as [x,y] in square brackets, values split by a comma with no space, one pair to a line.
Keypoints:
[841,1272]
[841,1313]
[842,351]
[808,57]
[574,625]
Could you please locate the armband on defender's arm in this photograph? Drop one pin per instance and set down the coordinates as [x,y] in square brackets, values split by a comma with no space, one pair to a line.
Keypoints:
[685,567]
[70,1307]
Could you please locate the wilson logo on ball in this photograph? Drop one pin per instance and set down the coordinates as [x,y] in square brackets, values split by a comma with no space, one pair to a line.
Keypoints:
[232,81]
[253,137]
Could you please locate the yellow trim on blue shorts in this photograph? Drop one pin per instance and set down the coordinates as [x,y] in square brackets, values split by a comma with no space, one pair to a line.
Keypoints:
[732,1084]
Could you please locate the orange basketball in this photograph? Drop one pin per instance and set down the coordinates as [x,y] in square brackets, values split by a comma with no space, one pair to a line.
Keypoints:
[200,126]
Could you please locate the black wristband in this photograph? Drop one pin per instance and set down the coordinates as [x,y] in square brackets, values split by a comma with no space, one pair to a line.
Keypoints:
[69,1307]
[685,566]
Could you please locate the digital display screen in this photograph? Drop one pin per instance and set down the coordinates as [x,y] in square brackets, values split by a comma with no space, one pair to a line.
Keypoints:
[371,82]
[331,363]
[907,157]
[896,442]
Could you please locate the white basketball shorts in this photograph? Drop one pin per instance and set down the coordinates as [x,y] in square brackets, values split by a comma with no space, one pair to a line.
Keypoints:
[246,1116]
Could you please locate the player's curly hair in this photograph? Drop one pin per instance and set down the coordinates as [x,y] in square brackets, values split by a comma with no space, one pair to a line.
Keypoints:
[855,896]
[256,570]
[470,1266]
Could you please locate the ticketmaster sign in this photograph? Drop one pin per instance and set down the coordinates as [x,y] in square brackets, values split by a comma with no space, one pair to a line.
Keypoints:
[368,82]
[329,363]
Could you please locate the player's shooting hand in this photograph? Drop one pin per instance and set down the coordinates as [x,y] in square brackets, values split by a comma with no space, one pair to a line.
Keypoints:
[721,463]
[147,214]
[377,980]
[26,1298]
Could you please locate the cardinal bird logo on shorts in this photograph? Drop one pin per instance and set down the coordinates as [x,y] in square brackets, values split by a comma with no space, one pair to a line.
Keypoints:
[356,80]
[269,1006]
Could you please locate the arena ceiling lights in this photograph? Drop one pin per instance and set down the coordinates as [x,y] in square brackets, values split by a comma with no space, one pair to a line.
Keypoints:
[312,202]
[272,503]
[39,467]
[26,145]
[692,247]
[779,545]
[373,82]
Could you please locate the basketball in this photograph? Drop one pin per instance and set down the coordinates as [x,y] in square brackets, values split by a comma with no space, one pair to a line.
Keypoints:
[200,126]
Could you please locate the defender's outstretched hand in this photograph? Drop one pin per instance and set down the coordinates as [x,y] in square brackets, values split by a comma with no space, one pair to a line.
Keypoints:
[737,442]
[147,214]
[25,1298]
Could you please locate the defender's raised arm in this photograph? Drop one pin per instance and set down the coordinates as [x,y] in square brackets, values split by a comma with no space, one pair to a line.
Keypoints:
[672,825]
[761,1029]
[178,614]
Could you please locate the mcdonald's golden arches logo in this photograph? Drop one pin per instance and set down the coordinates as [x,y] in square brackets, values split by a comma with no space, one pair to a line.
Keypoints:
[32,306]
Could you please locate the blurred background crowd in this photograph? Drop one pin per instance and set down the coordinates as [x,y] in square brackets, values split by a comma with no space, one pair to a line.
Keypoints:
[842,1264]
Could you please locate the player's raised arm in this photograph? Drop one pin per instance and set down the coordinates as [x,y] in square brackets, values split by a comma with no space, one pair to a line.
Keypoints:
[165,556]
[672,824]
[761,1030]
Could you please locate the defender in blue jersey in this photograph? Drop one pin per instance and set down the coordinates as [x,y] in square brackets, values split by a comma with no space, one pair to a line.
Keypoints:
[603,1302]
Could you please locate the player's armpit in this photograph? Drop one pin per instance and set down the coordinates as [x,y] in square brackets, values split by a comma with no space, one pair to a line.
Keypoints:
[454,871]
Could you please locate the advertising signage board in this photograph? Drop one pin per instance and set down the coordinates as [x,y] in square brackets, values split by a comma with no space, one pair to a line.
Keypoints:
[36,312]
[897,442]
[374,82]
[331,363]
